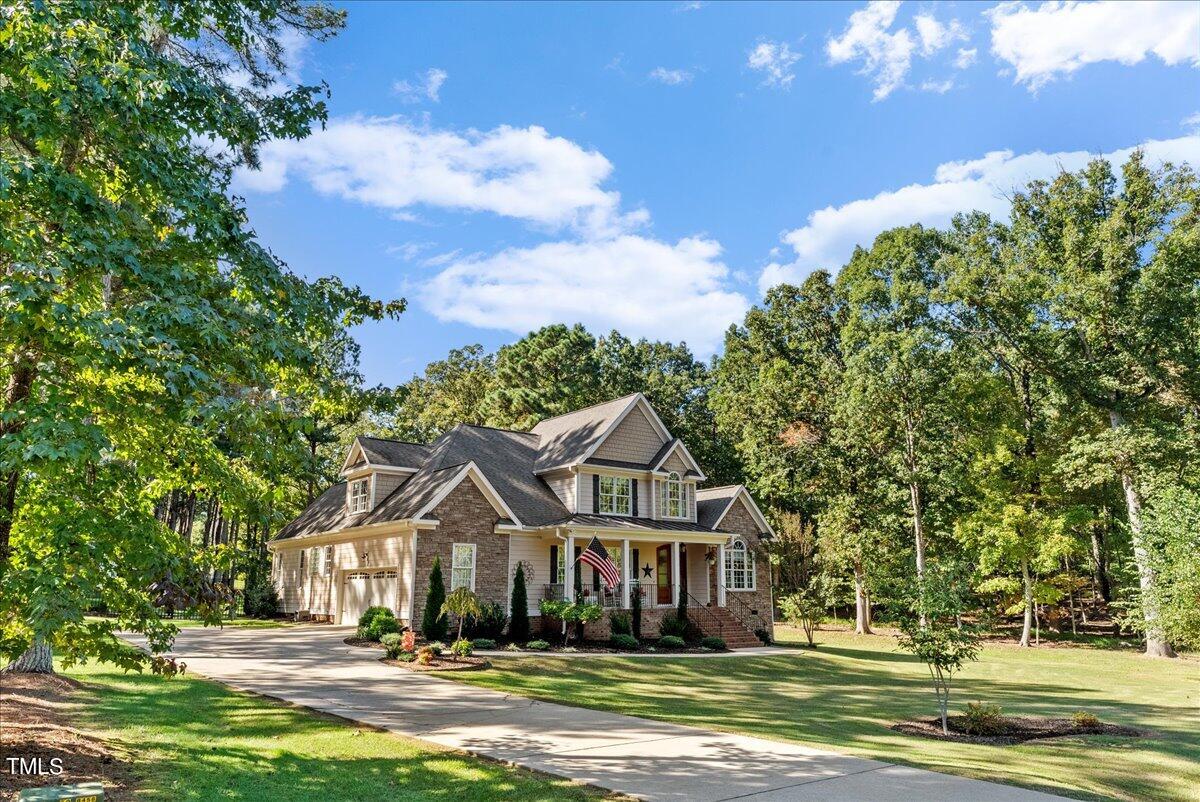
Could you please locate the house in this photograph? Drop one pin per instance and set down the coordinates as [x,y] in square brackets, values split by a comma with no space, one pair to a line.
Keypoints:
[485,500]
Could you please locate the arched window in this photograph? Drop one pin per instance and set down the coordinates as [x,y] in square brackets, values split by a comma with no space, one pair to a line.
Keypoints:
[739,566]
[674,497]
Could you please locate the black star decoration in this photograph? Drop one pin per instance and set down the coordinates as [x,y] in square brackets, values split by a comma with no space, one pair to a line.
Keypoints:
[647,570]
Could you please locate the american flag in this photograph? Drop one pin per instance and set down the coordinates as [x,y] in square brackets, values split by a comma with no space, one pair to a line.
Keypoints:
[596,556]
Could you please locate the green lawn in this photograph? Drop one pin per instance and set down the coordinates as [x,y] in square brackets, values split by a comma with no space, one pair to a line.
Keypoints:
[193,739]
[844,694]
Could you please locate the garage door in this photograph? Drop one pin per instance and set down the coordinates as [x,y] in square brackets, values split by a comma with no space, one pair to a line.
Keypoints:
[363,589]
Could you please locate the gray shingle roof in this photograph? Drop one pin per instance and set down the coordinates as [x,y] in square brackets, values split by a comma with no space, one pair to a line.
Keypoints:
[633,524]
[565,439]
[712,502]
[394,452]
[326,513]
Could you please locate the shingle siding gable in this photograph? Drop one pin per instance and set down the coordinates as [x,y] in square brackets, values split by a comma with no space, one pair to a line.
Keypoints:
[634,440]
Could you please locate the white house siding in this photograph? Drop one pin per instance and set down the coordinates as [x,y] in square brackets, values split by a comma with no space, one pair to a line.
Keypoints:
[634,439]
[385,483]
[563,485]
[534,552]
[287,581]
[645,485]
[697,571]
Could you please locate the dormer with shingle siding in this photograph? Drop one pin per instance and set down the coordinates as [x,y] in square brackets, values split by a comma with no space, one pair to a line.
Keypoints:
[374,468]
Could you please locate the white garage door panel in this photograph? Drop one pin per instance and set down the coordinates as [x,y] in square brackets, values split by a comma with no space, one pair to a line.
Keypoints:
[367,588]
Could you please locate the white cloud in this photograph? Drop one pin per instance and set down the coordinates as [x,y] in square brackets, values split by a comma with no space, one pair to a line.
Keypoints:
[641,286]
[426,87]
[966,57]
[1057,38]
[408,251]
[691,5]
[1191,122]
[829,235]
[671,77]
[886,56]
[388,162]
[936,35]
[775,61]
[937,87]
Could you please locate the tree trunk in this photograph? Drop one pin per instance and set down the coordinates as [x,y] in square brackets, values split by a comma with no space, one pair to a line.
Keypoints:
[1156,644]
[36,660]
[20,386]
[1027,582]
[862,602]
[1100,563]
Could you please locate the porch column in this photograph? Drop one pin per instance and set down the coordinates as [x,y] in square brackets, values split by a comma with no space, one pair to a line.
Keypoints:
[721,575]
[625,570]
[569,569]
[675,573]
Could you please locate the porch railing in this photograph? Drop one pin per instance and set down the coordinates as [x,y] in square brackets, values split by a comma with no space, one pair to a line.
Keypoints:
[749,612]
[704,618]
[608,598]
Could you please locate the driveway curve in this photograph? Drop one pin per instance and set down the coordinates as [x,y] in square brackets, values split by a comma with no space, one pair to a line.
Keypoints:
[653,760]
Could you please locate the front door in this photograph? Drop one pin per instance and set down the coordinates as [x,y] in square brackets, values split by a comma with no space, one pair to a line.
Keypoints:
[664,574]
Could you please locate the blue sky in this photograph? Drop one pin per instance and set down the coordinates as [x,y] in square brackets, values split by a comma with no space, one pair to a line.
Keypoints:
[654,167]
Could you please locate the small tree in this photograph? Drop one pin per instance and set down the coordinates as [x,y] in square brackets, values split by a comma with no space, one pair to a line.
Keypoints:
[518,625]
[806,607]
[935,633]
[462,603]
[433,619]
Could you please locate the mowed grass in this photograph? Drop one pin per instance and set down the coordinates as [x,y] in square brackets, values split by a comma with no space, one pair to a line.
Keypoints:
[844,694]
[194,739]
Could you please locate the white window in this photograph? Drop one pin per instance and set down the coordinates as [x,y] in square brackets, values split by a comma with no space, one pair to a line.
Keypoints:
[616,495]
[360,495]
[560,567]
[674,497]
[739,567]
[314,559]
[462,566]
[327,561]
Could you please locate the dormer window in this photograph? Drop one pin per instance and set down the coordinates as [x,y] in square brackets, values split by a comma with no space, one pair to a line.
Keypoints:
[674,497]
[359,495]
[616,495]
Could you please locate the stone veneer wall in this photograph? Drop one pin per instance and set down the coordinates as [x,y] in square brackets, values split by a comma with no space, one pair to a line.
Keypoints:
[740,521]
[464,516]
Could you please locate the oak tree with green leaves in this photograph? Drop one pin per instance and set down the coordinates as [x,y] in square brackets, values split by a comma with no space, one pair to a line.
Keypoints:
[141,322]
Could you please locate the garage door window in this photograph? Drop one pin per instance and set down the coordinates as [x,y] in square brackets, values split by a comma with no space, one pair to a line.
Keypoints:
[462,572]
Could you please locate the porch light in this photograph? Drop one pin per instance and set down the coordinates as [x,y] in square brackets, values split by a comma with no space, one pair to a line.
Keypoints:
[710,555]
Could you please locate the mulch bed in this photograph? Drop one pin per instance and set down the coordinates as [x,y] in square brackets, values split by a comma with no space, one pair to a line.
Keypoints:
[442,664]
[1012,730]
[38,711]
[590,647]
[362,643]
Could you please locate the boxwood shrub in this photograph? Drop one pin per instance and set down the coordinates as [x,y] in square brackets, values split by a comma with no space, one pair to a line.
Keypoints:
[484,643]
[714,643]
[671,642]
[537,645]
[622,641]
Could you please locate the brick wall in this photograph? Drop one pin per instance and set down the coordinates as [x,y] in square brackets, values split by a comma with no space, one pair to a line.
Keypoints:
[740,521]
[464,516]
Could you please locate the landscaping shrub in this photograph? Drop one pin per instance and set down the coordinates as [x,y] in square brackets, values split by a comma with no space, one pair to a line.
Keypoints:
[624,641]
[390,639]
[673,626]
[537,645]
[671,642]
[489,623]
[982,718]
[437,646]
[369,615]
[382,623]
[394,643]
[425,655]
[408,642]
[620,624]
[1082,718]
[404,657]
[462,648]
[714,643]
[260,600]
[518,625]
[484,643]
[433,621]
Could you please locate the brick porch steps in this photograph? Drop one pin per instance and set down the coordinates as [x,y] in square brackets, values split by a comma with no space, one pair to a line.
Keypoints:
[728,627]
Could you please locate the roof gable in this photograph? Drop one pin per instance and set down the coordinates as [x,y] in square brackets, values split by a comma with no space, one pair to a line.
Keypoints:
[714,503]
[573,438]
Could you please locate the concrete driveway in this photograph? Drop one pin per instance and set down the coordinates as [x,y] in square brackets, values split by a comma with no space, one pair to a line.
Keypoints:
[311,666]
